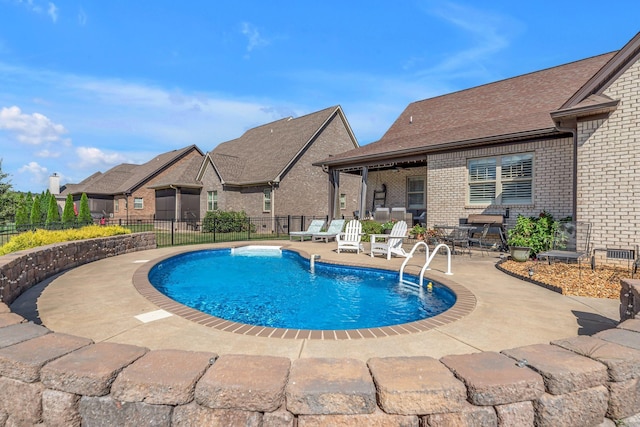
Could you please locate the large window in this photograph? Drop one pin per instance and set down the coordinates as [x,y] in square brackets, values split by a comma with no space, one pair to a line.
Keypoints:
[212,200]
[505,180]
[138,203]
[266,200]
[415,192]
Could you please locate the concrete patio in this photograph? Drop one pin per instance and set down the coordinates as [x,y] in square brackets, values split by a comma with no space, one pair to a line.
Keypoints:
[99,301]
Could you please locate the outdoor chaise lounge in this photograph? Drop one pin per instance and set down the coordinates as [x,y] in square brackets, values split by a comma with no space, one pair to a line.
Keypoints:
[351,237]
[388,244]
[332,231]
[315,227]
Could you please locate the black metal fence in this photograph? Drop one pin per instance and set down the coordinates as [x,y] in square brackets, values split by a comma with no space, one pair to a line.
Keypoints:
[174,232]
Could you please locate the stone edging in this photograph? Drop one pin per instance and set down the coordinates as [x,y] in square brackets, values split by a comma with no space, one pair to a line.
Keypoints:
[527,279]
[59,379]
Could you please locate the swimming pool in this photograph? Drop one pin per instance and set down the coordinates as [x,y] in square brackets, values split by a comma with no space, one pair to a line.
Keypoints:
[278,290]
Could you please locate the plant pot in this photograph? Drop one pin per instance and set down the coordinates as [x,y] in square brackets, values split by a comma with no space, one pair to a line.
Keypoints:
[520,253]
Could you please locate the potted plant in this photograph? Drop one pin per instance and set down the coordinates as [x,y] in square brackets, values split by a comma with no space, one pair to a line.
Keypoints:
[387,226]
[418,231]
[530,236]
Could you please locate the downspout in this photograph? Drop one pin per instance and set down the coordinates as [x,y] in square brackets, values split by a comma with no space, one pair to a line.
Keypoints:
[574,133]
[176,209]
[273,205]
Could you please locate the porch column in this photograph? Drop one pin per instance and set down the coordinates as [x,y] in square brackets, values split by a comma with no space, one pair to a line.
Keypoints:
[363,191]
[334,193]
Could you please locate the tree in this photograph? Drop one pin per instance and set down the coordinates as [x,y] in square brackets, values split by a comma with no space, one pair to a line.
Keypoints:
[44,206]
[22,213]
[68,214]
[84,214]
[35,218]
[7,206]
[53,215]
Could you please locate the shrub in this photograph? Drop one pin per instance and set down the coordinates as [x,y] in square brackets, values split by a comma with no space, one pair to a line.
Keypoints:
[68,214]
[533,232]
[226,222]
[370,227]
[53,215]
[84,214]
[32,239]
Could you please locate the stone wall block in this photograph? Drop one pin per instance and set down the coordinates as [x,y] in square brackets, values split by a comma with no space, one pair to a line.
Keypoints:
[279,418]
[250,383]
[24,360]
[165,377]
[563,371]
[376,419]
[60,409]
[620,336]
[4,308]
[416,385]
[8,319]
[494,379]
[470,416]
[630,325]
[624,398]
[581,408]
[515,414]
[14,334]
[23,401]
[91,370]
[330,386]
[193,414]
[106,412]
[623,363]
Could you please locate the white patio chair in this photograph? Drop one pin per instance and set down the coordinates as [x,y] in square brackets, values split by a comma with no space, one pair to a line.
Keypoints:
[351,238]
[315,227]
[388,244]
[333,230]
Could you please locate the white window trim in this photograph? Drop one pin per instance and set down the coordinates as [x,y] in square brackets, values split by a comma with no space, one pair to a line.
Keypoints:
[212,200]
[423,192]
[497,200]
[116,205]
[343,201]
[266,199]
[135,205]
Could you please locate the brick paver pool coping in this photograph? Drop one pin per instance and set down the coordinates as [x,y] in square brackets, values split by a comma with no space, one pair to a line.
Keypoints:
[465,304]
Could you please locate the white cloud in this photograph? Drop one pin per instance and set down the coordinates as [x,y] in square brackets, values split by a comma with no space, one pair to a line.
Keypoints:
[36,174]
[34,129]
[92,158]
[52,11]
[253,36]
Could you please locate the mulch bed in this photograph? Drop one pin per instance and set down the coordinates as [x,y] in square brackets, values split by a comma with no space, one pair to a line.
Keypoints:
[571,279]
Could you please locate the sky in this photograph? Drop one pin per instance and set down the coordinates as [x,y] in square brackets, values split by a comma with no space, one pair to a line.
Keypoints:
[87,85]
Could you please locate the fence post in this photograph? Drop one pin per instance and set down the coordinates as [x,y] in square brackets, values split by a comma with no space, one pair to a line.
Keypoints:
[172,235]
[249,228]
[215,226]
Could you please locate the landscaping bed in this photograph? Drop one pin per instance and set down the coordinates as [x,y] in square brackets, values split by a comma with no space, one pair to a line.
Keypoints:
[572,279]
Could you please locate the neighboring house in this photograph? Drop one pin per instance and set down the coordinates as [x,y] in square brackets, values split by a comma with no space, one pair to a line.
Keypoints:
[563,140]
[269,172]
[163,188]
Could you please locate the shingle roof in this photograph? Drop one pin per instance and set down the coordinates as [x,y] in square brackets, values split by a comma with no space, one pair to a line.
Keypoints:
[519,105]
[125,178]
[261,154]
[183,175]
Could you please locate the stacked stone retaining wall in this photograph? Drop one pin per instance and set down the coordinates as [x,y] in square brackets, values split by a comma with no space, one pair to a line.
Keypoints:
[55,379]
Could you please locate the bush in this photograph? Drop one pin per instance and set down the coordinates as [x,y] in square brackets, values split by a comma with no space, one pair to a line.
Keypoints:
[32,239]
[533,232]
[226,222]
[370,227]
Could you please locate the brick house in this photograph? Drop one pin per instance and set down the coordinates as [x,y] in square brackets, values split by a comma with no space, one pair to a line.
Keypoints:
[563,140]
[269,171]
[162,188]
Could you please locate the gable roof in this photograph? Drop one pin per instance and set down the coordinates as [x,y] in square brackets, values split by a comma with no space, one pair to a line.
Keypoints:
[262,154]
[126,177]
[507,110]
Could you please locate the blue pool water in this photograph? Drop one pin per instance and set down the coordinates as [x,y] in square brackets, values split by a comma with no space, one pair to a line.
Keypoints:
[278,290]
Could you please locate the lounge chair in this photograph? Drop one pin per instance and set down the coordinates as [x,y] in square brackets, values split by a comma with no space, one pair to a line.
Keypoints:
[399,214]
[388,244]
[351,237]
[332,231]
[381,215]
[315,227]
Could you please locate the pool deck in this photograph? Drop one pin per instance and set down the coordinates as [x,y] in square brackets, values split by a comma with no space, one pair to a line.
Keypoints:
[100,302]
